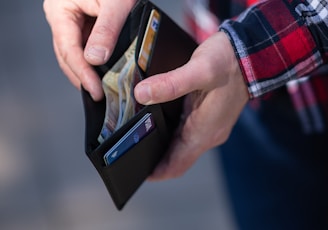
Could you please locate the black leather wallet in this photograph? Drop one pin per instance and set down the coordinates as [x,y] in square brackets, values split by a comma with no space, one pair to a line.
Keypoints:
[172,48]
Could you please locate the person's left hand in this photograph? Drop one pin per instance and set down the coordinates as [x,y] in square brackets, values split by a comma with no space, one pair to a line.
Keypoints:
[216,94]
[84,34]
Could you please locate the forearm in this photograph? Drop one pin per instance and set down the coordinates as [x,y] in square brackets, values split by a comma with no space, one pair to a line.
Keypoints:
[276,41]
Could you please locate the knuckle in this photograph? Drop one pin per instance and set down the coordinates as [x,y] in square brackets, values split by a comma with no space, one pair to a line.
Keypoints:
[83,69]
[105,30]
[172,88]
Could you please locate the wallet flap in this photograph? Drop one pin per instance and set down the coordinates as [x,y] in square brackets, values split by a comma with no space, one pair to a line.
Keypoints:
[172,48]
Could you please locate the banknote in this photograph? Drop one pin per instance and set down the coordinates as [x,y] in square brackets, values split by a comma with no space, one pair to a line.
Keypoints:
[110,87]
[125,93]
[118,84]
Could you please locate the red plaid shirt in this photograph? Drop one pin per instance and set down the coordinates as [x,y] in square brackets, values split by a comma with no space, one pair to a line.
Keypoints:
[283,43]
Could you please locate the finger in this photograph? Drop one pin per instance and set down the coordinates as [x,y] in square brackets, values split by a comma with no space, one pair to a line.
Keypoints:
[67,71]
[171,85]
[105,32]
[89,79]
[68,42]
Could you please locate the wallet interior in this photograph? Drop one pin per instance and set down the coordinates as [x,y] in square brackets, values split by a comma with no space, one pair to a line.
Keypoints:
[173,48]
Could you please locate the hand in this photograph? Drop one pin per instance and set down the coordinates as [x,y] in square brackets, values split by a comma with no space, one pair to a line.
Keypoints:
[216,94]
[85,34]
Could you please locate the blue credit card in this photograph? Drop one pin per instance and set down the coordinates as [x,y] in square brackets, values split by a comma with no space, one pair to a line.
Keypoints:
[141,129]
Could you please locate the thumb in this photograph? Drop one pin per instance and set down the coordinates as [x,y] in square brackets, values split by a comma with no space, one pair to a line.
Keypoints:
[103,37]
[169,86]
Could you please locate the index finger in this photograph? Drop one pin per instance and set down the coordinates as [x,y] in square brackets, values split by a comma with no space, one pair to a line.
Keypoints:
[67,37]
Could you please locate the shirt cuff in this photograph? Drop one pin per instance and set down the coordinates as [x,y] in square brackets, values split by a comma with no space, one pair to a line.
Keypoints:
[268,53]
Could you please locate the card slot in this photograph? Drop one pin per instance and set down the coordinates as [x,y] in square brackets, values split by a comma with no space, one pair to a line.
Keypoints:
[117,135]
[128,172]
[96,156]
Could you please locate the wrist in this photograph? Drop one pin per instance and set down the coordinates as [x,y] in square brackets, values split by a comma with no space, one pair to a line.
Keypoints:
[234,71]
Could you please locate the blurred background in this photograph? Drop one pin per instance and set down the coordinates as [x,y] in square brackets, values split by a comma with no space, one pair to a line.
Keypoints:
[46,180]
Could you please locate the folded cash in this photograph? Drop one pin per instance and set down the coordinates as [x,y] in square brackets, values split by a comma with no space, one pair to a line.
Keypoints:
[118,86]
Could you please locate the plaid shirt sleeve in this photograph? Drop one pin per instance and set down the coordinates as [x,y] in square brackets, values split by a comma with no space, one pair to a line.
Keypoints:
[279,40]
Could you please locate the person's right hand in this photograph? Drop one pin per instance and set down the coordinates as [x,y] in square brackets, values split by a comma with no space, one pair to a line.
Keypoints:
[216,93]
[85,34]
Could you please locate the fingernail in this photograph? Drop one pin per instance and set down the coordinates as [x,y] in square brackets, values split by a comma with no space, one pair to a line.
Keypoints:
[97,54]
[143,93]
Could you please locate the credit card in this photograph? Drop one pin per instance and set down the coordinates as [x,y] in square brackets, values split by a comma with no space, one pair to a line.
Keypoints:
[149,39]
[140,130]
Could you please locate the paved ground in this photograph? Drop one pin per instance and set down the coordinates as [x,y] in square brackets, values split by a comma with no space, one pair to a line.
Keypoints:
[46,181]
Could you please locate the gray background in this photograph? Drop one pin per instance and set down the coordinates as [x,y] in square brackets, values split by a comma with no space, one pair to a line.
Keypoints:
[46,180]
